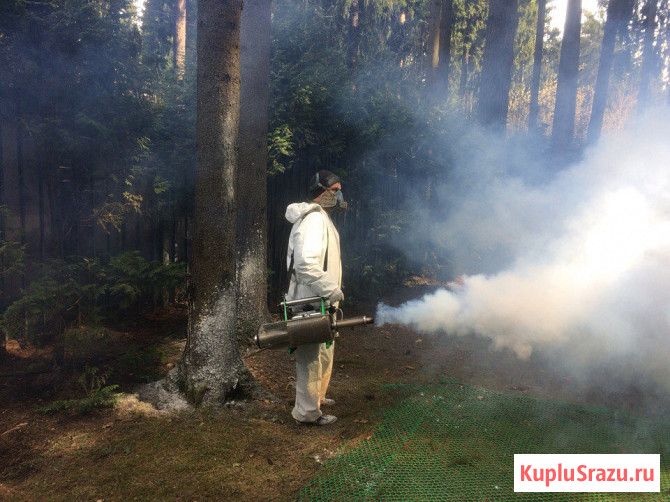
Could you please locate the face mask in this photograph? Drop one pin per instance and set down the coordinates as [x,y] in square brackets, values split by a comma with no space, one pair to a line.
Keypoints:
[333,200]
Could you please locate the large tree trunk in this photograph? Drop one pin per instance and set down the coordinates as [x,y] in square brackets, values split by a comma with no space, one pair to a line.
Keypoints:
[650,10]
[568,70]
[616,21]
[354,38]
[179,40]
[211,369]
[444,57]
[497,63]
[433,42]
[537,66]
[252,173]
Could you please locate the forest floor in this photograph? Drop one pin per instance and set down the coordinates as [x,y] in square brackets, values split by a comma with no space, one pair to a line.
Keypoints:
[249,451]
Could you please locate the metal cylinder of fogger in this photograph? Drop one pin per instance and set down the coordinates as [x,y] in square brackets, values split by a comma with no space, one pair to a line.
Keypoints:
[295,332]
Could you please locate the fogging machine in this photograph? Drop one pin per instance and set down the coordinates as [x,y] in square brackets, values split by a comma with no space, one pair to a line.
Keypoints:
[304,322]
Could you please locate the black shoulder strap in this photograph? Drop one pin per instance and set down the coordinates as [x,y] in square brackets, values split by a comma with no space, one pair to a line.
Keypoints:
[325,266]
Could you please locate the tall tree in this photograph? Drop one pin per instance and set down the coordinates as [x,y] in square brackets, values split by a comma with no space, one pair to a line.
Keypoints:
[354,36]
[158,31]
[650,10]
[433,42]
[470,27]
[179,39]
[537,66]
[211,369]
[438,50]
[568,70]
[252,172]
[616,22]
[497,63]
[465,61]
[444,57]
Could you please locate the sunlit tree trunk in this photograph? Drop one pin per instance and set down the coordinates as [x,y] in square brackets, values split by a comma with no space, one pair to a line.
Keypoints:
[168,224]
[497,63]
[433,42]
[650,10]
[185,210]
[614,23]
[566,90]
[537,66]
[444,59]
[179,39]
[211,369]
[251,194]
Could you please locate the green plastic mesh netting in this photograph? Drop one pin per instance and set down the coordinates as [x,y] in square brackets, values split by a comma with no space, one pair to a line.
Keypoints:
[453,442]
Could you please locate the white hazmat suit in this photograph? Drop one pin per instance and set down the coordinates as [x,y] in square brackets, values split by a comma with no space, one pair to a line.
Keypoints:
[312,234]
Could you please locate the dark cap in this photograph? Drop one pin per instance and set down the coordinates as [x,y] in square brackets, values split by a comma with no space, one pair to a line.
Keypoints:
[320,182]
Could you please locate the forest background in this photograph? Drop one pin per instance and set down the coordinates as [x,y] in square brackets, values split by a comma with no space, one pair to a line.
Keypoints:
[98,134]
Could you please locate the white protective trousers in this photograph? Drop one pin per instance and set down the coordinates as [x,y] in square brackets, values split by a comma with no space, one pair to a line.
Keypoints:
[312,234]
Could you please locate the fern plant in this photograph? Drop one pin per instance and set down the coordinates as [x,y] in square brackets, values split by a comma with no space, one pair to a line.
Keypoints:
[84,291]
[97,394]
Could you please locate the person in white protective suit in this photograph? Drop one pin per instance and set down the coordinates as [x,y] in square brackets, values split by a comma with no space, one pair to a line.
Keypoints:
[314,253]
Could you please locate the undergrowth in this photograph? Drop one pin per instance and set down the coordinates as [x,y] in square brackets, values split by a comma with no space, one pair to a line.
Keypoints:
[97,394]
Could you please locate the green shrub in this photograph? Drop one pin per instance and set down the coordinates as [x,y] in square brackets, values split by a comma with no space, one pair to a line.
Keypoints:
[97,394]
[83,291]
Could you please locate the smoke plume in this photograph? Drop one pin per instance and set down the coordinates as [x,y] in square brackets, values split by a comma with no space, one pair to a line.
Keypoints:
[578,267]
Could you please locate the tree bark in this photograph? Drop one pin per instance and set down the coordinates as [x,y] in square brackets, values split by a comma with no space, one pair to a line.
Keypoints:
[537,67]
[252,290]
[497,63]
[179,40]
[354,38]
[211,370]
[568,70]
[650,10]
[614,23]
[444,57]
[433,42]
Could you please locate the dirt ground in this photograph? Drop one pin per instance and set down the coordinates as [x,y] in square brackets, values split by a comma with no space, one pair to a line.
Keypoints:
[249,451]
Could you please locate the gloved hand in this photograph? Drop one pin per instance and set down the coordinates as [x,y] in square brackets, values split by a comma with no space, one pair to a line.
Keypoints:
[336,296]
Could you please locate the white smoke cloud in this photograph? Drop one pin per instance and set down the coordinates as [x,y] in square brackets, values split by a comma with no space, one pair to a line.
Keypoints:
[578,267]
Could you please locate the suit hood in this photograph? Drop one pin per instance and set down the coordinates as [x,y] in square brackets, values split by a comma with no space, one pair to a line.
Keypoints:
[297,210]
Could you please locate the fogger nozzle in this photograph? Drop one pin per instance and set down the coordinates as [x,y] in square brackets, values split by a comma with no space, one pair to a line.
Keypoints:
[296,332]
